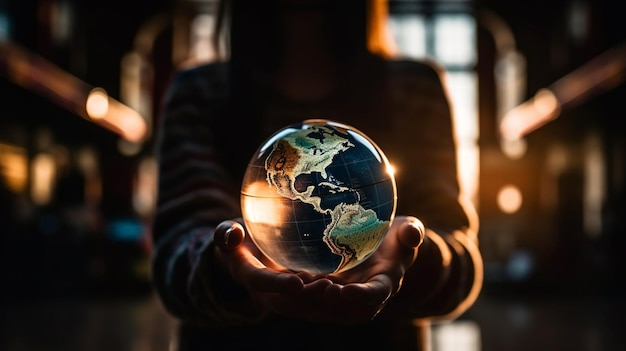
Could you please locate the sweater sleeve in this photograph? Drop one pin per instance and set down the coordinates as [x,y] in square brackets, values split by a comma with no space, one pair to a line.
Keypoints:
[447,276]
[195,193]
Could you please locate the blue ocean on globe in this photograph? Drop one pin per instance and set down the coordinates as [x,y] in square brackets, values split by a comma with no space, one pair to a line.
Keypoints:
[318,196]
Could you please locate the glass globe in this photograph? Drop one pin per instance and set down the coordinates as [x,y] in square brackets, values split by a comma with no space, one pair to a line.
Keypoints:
[318,196]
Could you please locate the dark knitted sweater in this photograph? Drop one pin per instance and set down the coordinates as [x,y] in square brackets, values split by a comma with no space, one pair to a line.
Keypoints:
[206,136]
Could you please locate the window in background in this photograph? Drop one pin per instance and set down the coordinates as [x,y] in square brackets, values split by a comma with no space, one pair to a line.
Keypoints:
[446,32]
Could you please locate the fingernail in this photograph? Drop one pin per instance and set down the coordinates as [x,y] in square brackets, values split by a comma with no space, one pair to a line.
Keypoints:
[227,235]
[417,224]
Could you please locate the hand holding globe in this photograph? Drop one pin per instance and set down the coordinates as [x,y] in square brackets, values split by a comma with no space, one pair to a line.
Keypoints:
[349,297]
[321,241]
[307,277]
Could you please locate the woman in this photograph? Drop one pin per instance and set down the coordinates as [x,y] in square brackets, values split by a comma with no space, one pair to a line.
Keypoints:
[290,61]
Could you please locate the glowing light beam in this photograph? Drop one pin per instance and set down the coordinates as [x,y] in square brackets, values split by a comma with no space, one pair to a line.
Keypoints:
[42,77]
[601,74]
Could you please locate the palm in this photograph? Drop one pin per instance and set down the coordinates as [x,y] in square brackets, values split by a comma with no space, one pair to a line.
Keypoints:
[352,296]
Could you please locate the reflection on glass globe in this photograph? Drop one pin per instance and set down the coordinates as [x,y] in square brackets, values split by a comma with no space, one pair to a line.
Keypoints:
[318,196]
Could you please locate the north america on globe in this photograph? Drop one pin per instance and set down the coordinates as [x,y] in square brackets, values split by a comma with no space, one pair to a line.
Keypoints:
[318,197]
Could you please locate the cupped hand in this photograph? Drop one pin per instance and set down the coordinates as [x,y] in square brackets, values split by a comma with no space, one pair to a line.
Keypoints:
[238,255]
[363,291]
[350,297]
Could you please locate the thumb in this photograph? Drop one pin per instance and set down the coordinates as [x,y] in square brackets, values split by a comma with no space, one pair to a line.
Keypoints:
[413,234]
[229,235]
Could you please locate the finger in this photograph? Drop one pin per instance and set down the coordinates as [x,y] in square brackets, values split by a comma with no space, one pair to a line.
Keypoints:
[251,273]
[333,292]
[413,234]
[229,235]
[314,290]
[308,277]
[373,292]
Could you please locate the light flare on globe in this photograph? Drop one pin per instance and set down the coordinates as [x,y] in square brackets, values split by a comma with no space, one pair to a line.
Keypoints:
[318,196]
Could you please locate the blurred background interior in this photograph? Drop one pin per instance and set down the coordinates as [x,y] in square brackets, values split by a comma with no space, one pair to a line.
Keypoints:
[538,90]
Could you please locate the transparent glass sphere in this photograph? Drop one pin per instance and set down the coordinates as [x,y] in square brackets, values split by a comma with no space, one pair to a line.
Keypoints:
[318,196]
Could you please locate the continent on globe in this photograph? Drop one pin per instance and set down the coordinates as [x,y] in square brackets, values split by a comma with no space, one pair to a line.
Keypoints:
[354,233]
[318,196]
[301,153]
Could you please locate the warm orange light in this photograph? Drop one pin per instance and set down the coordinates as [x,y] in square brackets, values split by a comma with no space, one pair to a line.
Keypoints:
[14,167]
[509,199]
[144,194]
[380,39]
[261,204]
[112,114]
[602,73]
[129,123]
[43,176]
[514,148]
[41,76]
[97,104]
[530,115]
[545,103]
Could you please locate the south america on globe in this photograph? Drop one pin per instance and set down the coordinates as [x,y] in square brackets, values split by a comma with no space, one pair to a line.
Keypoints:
[318,196]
